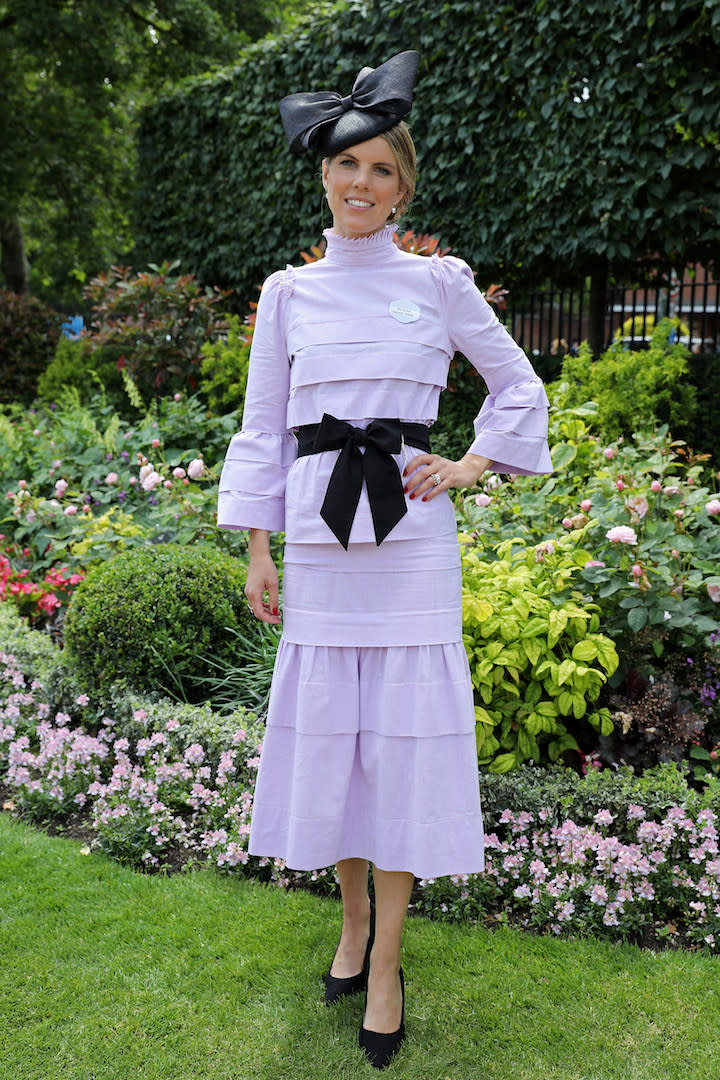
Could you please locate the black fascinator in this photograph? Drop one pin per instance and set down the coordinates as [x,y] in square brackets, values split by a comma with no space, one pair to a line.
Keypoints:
[326,122]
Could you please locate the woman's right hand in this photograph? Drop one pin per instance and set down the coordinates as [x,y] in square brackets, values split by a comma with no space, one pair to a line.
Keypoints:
[261,586]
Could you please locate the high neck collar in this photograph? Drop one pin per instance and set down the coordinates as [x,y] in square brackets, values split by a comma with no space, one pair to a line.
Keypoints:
[361,249]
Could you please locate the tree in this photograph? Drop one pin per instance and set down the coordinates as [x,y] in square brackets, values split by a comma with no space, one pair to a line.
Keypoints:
[73,74]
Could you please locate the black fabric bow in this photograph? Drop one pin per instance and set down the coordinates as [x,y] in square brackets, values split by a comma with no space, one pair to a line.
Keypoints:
[327,122]
[381,439]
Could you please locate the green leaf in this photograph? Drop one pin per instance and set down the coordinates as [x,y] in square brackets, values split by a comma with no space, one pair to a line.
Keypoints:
[637,618]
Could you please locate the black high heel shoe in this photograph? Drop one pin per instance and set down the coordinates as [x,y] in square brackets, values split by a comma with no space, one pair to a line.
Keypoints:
[379,1047]
[340,988]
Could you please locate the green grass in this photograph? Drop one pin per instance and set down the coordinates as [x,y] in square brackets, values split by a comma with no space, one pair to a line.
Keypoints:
[106,974]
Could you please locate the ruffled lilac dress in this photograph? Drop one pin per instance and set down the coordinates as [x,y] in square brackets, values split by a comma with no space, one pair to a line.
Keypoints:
[370,743]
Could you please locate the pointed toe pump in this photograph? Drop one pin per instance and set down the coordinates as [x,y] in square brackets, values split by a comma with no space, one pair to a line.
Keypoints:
[335,989]
[381,1048]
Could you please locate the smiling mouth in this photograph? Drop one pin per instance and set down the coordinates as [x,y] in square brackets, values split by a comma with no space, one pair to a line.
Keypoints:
[359,203]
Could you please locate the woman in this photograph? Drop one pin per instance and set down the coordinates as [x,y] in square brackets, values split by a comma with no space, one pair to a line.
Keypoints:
[369,755]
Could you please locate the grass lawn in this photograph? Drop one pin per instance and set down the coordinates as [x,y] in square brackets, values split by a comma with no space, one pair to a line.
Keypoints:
[107,974]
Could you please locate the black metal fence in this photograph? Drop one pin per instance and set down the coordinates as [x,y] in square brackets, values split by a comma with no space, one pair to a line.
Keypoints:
[556,320]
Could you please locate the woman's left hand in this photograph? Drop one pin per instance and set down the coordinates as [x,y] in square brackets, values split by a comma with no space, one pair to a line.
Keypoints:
[427,475]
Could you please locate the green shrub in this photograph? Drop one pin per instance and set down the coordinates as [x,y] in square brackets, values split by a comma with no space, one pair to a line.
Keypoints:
[29,332]
[632,390]
[153,325]
[566,794]
[77,364]
[536,658]
[225,367]
[151,618]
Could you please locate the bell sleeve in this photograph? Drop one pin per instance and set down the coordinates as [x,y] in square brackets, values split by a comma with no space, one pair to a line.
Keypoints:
[252,483]
[511,427]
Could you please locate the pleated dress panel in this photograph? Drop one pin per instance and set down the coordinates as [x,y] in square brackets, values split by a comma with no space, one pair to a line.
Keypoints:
[370,748]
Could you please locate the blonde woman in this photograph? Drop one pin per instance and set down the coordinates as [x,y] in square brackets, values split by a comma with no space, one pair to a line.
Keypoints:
[369,757]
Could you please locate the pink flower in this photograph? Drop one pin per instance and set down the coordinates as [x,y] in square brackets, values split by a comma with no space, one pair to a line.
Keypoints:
[567,523]
[675,553]
[713,507]
[656,486]
[620,485]
[638,505]
[83,699]
[177,397]
[679,513]
[714,593]
[636,570]
[151,480]
[167,483]
[585,505]
[480,500]
[133,480]
[195,468]
[594,562]
[70,511]
[609,452]
[671,490]
[622,534]
[112,478]
[156,443]
[179,472]
[139,714]
[60,487]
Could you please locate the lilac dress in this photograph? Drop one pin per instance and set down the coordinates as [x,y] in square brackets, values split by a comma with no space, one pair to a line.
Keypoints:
[370,743]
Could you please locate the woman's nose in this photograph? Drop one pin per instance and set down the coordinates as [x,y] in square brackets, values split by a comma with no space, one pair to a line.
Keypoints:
[361,178]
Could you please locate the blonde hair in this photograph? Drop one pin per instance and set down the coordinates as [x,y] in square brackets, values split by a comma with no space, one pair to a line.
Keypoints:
[400,142]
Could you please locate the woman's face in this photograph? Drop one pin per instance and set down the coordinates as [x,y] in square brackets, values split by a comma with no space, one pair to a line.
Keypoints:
[362,184]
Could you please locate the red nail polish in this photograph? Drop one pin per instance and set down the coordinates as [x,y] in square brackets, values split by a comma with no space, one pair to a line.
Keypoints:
[424,498]
[275,611]
[413,495]
[405,490]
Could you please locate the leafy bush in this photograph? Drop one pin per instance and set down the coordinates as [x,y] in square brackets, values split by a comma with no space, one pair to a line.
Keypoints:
[632,390]
[566,794]
[153,325]
[87,370]
[83,483]
[536,658]
[151,619]
[225,367]
[29,332]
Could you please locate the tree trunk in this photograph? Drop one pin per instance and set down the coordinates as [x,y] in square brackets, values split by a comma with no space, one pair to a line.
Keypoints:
[14,263]
[598,305]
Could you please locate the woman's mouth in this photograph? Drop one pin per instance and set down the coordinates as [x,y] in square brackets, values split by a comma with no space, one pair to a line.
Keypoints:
[361,204]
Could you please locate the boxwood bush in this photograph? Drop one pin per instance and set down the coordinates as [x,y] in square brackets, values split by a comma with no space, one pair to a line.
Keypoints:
[149,620]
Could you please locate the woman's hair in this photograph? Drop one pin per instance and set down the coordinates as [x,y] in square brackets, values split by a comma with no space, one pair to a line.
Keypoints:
[403,147]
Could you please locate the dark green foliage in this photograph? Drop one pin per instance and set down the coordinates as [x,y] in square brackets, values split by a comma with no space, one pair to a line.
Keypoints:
[550,138]
[702,430]
[148,618]
[29,332]
[567,795]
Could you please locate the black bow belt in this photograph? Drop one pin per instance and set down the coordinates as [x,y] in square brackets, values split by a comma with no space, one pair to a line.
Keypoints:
[381,438]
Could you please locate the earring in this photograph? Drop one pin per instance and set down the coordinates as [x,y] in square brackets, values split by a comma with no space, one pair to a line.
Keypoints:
[394,209]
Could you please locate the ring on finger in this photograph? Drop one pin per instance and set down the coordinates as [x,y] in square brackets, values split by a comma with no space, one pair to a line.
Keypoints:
[436,479]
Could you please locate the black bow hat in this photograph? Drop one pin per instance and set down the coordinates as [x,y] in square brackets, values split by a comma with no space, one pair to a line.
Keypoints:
[326,122]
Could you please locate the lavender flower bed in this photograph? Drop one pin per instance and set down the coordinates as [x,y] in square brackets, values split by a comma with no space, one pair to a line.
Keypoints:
[155,797]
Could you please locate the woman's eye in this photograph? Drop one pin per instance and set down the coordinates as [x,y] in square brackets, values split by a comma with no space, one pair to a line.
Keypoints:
[383,171]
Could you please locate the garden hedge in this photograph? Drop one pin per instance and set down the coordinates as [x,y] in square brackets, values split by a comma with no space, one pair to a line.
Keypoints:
[551,138]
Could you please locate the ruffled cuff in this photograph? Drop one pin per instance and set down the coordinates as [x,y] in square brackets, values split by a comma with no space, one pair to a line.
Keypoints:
[511,430]
[251,493]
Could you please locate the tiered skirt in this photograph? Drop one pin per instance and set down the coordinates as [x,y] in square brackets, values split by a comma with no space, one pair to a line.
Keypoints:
[370,747]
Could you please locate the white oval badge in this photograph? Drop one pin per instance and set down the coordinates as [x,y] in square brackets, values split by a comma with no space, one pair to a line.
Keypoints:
[404,310]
